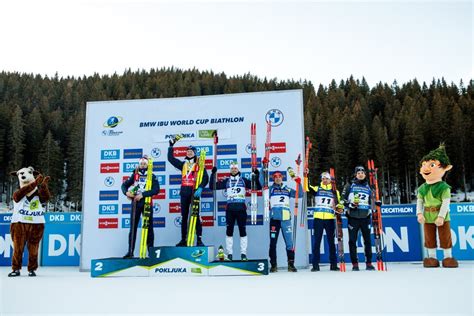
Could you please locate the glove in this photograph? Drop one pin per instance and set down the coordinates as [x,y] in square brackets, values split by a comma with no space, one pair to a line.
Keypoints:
[39,179]
[378,203]
[171,143]
[197,193]
[214,170]
[46,180]
[256,172]
[439,221]
[298,180]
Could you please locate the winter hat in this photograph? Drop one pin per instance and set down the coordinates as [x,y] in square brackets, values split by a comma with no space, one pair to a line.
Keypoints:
[234,164]
[438,154]
[143,159]
[359,168]
[325,175]
[277,173]
[191,147]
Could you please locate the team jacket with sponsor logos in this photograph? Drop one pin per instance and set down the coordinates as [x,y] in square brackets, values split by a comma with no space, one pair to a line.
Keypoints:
[235,188]
[361,190]
[280,201]
[137,181]
[28,210]
[324,200]
[188,174]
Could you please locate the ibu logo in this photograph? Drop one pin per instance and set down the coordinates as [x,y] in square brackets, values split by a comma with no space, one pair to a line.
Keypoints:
[225,163]
[108,209]
[129,166]
[113,121]
[174,193]
[109,154]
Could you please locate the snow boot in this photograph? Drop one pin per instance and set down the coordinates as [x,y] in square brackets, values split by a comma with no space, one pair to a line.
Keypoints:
[369,266]
[182,243]
[291,266]
[273,268]
[334,267]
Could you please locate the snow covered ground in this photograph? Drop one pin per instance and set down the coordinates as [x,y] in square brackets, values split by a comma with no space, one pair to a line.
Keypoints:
[406,288]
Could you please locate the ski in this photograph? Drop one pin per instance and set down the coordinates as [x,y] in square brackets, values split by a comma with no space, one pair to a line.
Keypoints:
[376,217]
[147,214]
[308,146]
[253,193]
[214,196]
[339,232]
[266,160]
[294,175]
[196,205]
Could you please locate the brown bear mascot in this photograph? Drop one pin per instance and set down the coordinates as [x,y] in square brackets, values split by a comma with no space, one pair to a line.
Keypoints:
[27,225]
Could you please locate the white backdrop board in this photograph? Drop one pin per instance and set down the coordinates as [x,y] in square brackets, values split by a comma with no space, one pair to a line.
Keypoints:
[118,133]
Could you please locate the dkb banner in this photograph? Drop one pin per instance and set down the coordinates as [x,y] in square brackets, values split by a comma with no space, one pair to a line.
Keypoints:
[60,244]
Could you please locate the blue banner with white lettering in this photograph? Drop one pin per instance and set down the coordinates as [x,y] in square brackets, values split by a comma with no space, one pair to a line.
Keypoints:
[61,240]
[403,236]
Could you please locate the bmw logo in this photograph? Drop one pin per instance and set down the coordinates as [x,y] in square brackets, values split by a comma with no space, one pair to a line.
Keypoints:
[224,193]
[275,117]
[156,208]
[248,149]
[275,162]
[113,121]
[155,152]
[109,181]
[177,221]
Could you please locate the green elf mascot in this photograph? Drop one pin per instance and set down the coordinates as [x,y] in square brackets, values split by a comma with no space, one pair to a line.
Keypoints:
[432,207]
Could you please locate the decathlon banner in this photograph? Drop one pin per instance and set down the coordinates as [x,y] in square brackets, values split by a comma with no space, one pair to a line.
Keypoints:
[402,239]
[118,133]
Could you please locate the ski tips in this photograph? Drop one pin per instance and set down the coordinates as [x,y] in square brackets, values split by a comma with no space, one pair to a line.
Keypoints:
[298,160]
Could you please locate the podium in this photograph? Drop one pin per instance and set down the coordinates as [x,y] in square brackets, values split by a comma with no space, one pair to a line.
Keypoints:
[172,261]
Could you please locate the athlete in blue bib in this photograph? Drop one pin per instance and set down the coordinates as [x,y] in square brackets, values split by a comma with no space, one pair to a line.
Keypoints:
[280,219]
[236,209]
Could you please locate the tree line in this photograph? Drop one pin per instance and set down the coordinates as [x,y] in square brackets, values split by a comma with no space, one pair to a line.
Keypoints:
[42,123]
